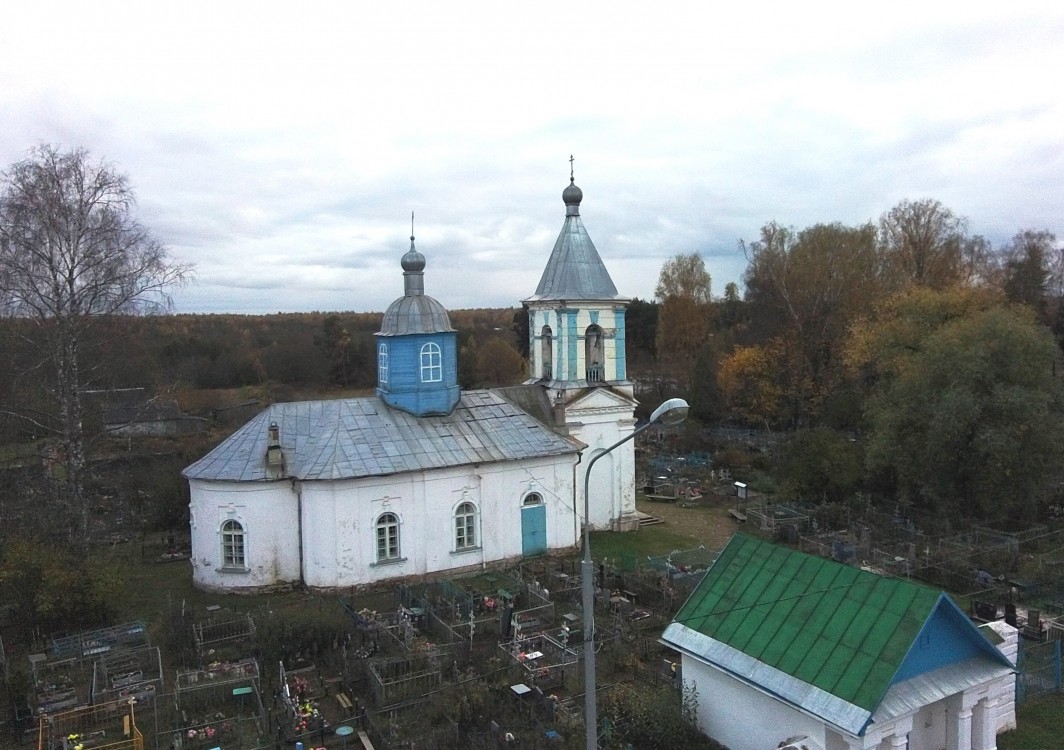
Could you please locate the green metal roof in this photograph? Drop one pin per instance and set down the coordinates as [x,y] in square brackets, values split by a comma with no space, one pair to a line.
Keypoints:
[841,629]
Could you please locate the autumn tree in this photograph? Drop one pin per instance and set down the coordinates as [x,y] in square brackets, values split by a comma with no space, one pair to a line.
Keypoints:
[72,253]
[685,276]
[519,326]
[819,465]
[53,588]
[804,289]
[966,409]
[1027,267]
[731,307]
[498,363]
[641,330]
[923,243]
[340,349]
[704,393]
[749,380]
[684,317]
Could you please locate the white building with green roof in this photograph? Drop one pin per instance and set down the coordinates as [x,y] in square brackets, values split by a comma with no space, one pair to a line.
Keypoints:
[779,644]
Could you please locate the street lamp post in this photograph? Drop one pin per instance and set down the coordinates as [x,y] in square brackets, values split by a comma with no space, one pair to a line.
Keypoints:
[670,412]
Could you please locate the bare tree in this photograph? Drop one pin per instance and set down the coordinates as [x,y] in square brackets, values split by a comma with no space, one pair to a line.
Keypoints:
[924,243]
[71,255]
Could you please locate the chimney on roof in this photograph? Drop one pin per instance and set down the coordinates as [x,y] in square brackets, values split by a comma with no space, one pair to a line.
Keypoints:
[559,415]
[274,454]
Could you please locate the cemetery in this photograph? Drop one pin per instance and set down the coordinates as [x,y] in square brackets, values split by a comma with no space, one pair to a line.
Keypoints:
[493,658]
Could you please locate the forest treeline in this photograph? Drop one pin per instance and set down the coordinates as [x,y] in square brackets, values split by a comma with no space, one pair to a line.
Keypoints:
[305,351]
[908,358]
[912,366]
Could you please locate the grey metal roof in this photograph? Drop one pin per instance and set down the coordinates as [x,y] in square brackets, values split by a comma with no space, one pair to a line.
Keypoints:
[363,437]
[530,398]
[415,314]
[908,696]
[574,271]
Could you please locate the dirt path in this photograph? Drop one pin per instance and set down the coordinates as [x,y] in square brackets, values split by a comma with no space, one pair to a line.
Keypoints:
[705,521]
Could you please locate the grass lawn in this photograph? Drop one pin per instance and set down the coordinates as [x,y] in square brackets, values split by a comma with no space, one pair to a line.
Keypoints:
[649,541]
[1038,723]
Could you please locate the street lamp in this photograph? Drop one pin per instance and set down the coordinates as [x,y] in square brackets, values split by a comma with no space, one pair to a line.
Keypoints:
[670,412]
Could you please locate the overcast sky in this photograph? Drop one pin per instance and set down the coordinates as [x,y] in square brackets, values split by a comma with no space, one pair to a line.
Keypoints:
[281,147]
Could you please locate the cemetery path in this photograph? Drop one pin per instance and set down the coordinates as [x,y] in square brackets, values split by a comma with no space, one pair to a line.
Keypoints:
[705,521]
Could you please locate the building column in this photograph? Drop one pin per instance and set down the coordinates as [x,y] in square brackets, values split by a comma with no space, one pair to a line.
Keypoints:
[898,741]
[985,737]
[962,730]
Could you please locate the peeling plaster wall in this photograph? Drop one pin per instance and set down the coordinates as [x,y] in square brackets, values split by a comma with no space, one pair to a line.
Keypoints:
[266,511]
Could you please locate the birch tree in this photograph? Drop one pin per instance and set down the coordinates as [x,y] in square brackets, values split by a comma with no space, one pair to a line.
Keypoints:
[72,254]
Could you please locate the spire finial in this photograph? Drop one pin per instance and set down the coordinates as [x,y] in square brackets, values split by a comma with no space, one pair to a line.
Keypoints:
[571,179]
[411,226]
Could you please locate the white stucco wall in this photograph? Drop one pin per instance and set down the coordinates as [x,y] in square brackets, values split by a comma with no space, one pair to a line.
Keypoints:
[745,718]
[340,518]
[613,476]
[1003,690]
[740,717]
[266,511]
[339,523]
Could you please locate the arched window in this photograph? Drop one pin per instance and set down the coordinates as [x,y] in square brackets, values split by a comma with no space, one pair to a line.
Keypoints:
[532,498]
[387,537]
[382,364]
[233,545]
[547,353]
[594,360]
[431,363]
[465,527]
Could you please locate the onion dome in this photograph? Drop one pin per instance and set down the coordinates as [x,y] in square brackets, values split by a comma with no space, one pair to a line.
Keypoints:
[415,311]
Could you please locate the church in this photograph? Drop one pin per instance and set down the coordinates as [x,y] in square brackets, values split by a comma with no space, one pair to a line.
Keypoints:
[424,478]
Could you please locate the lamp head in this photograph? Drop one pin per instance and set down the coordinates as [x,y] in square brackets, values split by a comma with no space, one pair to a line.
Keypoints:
[672,411]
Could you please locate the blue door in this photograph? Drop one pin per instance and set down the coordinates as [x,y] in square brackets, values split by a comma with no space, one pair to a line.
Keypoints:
[533,529]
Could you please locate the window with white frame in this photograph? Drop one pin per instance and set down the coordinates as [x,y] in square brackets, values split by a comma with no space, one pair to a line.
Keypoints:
[465,526]
[382,364]
[387,537]
[431,363]
[233,539]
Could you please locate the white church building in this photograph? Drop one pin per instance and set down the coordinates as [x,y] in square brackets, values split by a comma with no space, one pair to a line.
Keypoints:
[424,478]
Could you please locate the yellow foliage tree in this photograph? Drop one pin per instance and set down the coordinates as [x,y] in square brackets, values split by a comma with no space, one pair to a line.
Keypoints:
[749,380]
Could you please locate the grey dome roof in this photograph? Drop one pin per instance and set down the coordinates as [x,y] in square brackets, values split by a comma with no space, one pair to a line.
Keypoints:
[574,271]
[417,314]
[415,311]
